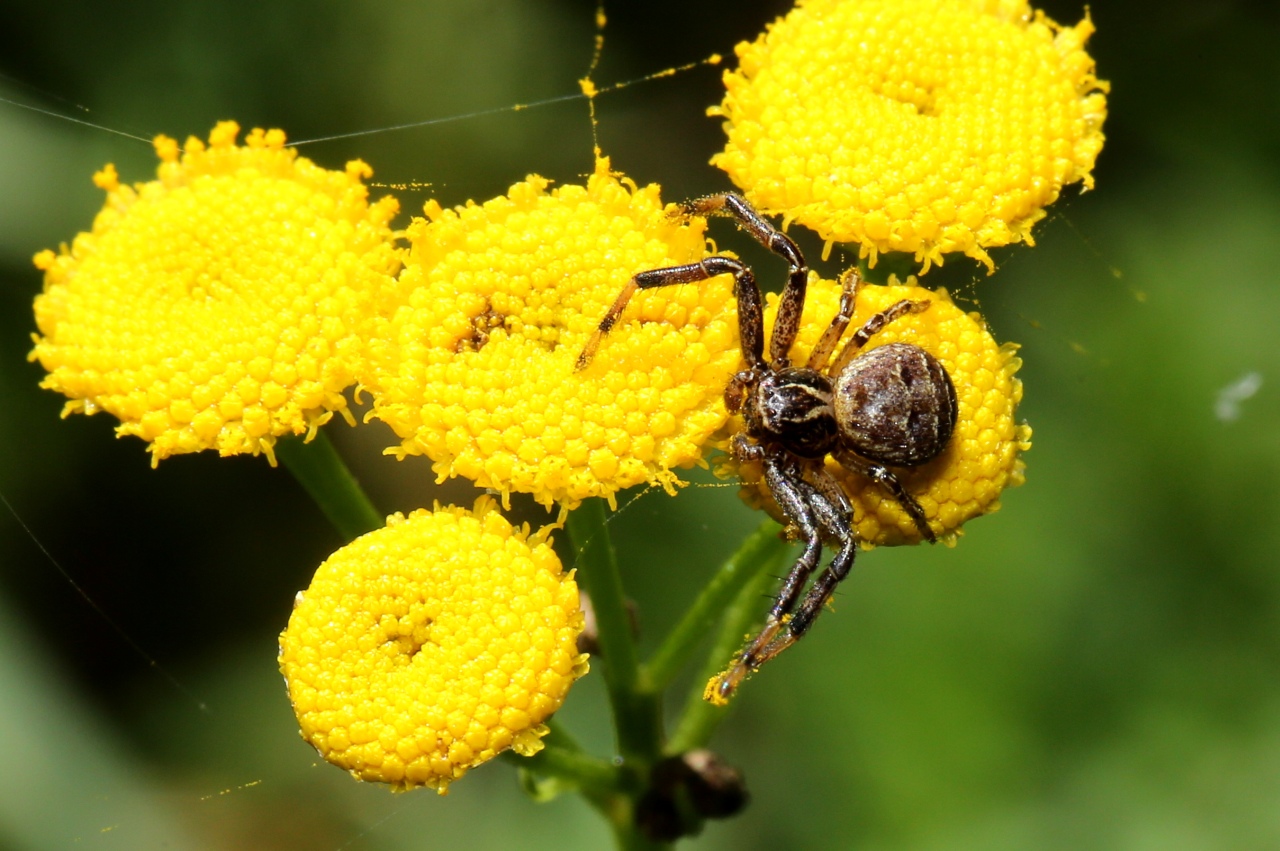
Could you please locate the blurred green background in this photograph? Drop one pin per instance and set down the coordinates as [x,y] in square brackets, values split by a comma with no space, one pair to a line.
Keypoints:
[1096,666]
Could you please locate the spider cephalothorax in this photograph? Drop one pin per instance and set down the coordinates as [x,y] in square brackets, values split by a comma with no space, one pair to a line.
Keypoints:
[891,406]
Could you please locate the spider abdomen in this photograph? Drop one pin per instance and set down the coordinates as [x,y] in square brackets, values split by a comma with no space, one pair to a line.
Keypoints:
[895,405]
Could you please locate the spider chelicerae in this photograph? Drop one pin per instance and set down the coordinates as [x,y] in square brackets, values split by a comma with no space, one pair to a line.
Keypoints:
[891,406]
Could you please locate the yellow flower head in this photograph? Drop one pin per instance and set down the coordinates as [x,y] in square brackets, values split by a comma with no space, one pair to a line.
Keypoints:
[475,366]
[922,126]
[431,645]
[982,458]
[219,306]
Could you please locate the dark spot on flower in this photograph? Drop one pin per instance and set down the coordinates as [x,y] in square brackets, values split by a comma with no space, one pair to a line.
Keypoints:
[481,325]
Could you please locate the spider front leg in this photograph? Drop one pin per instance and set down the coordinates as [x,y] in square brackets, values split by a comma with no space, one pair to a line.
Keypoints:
[791,303]
[819,513]
[745,290]
[838,526]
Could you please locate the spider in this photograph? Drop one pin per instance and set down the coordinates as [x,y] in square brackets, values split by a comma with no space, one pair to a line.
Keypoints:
[892,406]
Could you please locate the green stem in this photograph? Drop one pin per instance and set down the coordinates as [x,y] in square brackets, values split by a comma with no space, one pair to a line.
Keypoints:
[564,759]
[761,548]
[609,789]
[700,718]
[320,470]
[636,712]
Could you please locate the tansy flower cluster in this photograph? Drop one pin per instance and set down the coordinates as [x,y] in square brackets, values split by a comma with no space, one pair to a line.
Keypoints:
[233,300]
[982,458]
[920,126]
[431,645]
[475,365]
[219,306]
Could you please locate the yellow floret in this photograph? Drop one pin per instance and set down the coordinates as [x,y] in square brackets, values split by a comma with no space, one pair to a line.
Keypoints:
[432,645]
[921,126]
[982,458]
[475,366]
[220,306]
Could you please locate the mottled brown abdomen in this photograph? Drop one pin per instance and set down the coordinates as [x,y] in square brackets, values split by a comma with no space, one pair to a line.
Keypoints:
[895,405]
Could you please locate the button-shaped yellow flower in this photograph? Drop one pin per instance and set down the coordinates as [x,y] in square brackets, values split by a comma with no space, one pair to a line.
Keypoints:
[475,366]
[425,648]
[220,306]
[982,458]
[921,126]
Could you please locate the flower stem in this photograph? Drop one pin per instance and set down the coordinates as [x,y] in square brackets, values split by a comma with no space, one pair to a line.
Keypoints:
[762,548]
[700,718]
[607,788]
[635,711]
[319,469]
[564,759]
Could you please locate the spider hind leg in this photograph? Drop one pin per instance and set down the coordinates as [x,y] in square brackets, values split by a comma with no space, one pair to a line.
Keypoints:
[885,478]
